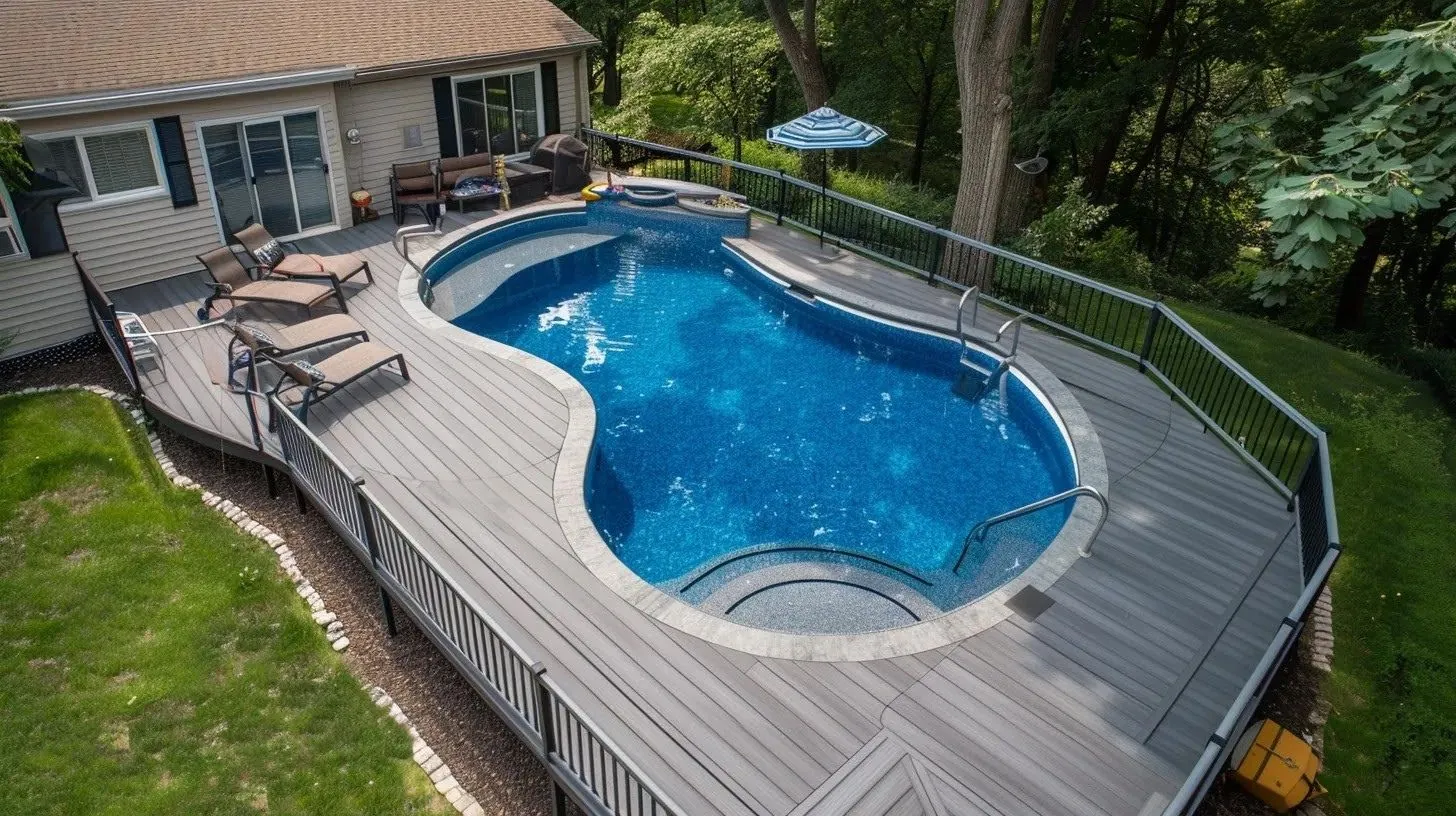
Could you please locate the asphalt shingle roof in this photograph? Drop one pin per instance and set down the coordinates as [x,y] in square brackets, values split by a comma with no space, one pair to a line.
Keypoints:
[59,48]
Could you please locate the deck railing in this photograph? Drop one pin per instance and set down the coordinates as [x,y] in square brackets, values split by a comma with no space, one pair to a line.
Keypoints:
[1282,445]
[104,321]
[580,759]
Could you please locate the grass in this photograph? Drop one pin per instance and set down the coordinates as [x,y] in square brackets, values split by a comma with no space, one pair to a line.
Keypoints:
[1391,739]
[152,658]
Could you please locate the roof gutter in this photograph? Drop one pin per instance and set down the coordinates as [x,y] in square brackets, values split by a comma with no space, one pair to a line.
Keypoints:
[441,66]
[112,100]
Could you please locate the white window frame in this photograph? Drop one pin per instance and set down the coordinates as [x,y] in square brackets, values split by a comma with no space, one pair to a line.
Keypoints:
[519,69]
[9,226]
[92,199]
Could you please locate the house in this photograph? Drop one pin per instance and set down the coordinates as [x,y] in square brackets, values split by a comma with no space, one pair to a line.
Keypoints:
[163,127]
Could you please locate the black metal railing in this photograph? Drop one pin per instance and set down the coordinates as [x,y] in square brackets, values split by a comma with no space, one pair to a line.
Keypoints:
[581,761]
[106,324]
[1281,444]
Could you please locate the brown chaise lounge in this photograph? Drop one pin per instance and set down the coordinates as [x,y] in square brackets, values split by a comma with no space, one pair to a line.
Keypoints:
[286,341]
[306,384]
[271,256]
[232,282]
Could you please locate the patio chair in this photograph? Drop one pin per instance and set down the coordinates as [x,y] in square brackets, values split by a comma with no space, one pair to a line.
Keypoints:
[455,169]
[270,255]
[304,385]
[233,283]
[286,341]
[415,184]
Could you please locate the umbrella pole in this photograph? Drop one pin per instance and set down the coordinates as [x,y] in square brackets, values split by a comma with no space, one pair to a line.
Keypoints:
[823,195]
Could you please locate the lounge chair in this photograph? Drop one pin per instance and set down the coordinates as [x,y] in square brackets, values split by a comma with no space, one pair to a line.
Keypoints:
[415,184]
[307,384]
[270,255]
[287,341]
[232,282]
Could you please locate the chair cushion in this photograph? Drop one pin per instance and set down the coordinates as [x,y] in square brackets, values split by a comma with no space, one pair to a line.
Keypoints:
[415,184]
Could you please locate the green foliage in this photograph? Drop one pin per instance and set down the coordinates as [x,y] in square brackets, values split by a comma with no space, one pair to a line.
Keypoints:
[914,200]
[721,69]
[1071,235]
[155,661]
[13,164]
[1373,140]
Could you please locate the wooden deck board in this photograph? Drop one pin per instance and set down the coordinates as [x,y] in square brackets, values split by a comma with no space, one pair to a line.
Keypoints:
[1043,716]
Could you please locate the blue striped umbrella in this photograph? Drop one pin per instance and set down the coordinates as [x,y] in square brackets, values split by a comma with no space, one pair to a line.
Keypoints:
[825,129]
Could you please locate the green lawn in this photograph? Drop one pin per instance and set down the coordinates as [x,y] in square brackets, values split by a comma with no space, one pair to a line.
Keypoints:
[1392,735]
[152,658]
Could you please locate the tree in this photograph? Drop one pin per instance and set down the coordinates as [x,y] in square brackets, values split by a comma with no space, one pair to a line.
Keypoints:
[608,21]
[1353,157]
[13,164]
[900,67]
[801,46]
[721,69]
[987,33]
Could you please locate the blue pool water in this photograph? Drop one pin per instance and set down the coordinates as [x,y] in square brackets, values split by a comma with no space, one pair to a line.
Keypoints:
[732,414]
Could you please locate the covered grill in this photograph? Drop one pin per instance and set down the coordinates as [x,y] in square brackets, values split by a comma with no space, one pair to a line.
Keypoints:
[567,159]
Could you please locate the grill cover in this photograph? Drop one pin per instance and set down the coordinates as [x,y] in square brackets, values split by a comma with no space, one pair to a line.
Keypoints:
[566,157]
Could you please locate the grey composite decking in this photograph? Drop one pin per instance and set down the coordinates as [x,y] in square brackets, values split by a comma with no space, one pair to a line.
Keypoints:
[1099,705]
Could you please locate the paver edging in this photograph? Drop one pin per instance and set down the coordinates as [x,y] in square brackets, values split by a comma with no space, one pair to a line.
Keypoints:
[434,767]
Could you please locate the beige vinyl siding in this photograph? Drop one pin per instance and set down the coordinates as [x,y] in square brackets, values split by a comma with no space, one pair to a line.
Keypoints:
[134,242]
[381,111]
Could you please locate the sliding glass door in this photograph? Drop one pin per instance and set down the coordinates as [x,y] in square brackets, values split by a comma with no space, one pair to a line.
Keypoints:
[499,113]
[271,171]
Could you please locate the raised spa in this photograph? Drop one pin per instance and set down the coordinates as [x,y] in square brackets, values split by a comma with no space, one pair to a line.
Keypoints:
[768,458]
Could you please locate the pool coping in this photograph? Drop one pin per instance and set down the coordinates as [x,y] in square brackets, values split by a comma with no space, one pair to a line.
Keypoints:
[578,451]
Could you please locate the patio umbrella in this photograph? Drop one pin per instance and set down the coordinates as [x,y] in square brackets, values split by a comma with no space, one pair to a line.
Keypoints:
[825,129]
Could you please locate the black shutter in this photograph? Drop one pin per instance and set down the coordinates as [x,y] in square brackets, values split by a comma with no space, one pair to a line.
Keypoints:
[549,105]
[174,160]
[445,117]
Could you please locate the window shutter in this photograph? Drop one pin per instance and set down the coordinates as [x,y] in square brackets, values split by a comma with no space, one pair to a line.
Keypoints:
[445,118]
[550,108]
[174,160]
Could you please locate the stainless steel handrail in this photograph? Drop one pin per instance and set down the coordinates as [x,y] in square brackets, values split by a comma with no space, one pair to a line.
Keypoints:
[401,241]
[979,531]
[974,295]
[1015,336]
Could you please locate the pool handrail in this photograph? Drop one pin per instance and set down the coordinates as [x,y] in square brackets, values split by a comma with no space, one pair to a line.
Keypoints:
[978,532]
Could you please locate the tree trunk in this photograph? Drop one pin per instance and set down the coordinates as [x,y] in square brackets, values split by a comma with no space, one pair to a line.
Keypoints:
[1350,311]
[611,73]
[1101,166]
[1160,130]
[1016,201]
[985,41]
[802,49]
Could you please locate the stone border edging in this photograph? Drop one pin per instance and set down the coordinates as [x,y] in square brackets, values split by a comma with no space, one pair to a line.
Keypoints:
[434,767]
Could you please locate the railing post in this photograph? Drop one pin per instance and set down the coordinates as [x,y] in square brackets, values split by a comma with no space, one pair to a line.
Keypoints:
[687,169]
[783,197]
[546,722]
[1155,313]
[937,253]
[371,541]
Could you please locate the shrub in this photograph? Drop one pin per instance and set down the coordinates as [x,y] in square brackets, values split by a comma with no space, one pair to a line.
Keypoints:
[1068,236]
[1435,366]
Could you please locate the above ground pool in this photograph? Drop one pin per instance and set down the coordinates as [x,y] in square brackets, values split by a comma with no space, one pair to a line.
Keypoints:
[763,456]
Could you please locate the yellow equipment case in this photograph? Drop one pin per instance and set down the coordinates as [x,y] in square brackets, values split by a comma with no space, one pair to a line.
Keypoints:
[1276,766]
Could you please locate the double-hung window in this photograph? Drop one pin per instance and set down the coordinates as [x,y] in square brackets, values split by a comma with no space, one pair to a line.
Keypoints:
[108,164]
[12,243]
[498,113]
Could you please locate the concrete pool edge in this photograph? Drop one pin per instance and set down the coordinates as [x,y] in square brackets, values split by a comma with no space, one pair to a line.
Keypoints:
[576,456]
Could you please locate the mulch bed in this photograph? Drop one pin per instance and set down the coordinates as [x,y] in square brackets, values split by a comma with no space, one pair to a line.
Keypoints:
[487,758]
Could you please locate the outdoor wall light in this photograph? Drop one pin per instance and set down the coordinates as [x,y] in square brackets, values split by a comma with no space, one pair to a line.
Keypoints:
[352,135]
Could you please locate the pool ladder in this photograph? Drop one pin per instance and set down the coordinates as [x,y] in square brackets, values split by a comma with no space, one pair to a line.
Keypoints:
[991,378]
[402,237]
[978,533]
